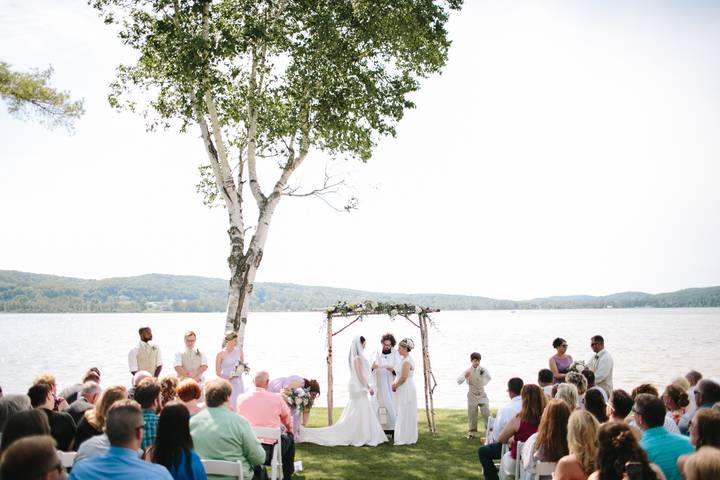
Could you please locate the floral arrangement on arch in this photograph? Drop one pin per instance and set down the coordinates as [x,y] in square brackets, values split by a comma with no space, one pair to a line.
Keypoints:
[577,366]
[369,307]
[298,399]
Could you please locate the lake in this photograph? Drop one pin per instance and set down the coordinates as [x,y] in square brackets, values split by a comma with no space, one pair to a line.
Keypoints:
[648,345]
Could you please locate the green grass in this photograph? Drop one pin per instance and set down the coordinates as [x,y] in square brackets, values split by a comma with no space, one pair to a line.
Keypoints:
[448,454]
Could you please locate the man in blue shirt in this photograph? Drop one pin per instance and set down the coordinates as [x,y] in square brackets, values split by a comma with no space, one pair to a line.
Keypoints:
[124,428]
[663,448]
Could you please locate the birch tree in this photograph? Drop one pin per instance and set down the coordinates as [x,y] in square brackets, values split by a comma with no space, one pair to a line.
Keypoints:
[273,82]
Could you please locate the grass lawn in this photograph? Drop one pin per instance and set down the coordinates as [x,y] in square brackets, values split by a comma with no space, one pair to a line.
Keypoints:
[448,454]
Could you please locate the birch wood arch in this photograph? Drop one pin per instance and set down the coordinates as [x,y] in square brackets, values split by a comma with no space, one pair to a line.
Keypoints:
[356,312]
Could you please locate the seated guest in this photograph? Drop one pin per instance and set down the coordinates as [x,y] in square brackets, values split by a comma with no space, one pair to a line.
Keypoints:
[59,403]
[10,405]
[525,423]
[590,377]
[550,443]
[707,394]
[85,400]
[189,393]
[62,425]
[704,432]
[577,379]
[545,380]
[124,429]
[70,393]
[147,394]
[663,448]
[705,464]
[582,447]
[100,444]
[492,450]
[619,407]
[267,409]
[676,401]
[173,447]
[168,387]
[693,377]
[93,421]
[648,389]
[32,458]
[595,404]
[568,393]
[138,377]
[24,424]
[218,433]
[617,447]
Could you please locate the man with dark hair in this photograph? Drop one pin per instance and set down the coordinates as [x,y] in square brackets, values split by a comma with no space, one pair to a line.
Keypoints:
[492,451]
[124,429]
[62,425]
[218,433]
[32,458]
[145,356]
[86,400]
[545,381]
[663,448]
[620,405]
[707,394]
[601,364]
[147,394]
[476,377]
[590,377]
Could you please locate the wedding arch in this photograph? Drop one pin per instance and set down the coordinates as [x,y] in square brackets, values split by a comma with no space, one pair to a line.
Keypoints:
[360,310]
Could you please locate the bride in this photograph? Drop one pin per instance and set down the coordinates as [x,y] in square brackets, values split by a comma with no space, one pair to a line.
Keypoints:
[358,425]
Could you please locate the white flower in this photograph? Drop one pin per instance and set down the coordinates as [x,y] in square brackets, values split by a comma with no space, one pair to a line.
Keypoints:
[418,310]
[393,312]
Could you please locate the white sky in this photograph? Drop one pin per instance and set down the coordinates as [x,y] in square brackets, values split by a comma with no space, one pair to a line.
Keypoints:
[568,147]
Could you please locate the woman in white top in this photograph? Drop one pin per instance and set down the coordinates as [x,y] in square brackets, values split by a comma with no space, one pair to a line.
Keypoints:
[406,424]
[358,425]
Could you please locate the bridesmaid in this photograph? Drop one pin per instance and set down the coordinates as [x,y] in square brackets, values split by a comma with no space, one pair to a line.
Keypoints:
[277,385]
[561,361]
[225,363]
[406,426]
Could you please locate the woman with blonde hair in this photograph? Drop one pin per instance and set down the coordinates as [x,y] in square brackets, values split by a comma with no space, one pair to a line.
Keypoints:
[549,444]
[93,422]
[582,446]
[705,464]
[230,365]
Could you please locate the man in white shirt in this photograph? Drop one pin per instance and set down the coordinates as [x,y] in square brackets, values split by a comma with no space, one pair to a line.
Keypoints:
[601,364]
[490,452]
[145,356]
[190,363]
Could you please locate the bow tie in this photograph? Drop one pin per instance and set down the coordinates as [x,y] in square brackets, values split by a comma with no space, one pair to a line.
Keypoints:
[597,356]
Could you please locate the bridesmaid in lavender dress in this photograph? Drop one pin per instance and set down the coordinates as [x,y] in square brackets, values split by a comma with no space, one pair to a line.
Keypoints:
[561,361]
[225,363]
[296,381]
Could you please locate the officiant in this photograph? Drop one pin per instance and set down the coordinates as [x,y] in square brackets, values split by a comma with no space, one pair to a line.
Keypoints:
[386,361]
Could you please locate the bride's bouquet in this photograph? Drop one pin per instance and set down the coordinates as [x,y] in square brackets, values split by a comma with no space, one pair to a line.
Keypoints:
[577,366]
[299,398]
[239,369]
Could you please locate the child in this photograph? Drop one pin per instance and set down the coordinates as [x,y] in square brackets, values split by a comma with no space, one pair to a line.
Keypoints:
[476,378]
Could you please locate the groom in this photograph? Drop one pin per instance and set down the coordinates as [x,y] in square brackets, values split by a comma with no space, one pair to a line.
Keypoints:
[385,364]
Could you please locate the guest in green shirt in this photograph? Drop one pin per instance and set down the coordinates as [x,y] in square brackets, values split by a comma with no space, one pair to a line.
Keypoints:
[218,433]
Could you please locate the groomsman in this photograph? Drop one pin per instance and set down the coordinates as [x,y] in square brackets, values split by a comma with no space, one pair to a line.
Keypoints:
[145,356]
[385,363]
[190,363]
[601,364]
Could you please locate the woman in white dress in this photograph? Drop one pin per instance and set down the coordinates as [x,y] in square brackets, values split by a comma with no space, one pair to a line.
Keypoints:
[358,425]
[225,363]
[406,426]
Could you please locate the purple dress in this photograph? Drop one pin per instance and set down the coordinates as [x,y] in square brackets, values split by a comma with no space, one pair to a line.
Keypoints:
[278,384]
[562,365]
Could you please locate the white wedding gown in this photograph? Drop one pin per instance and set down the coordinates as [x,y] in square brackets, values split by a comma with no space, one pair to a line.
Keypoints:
[358,425]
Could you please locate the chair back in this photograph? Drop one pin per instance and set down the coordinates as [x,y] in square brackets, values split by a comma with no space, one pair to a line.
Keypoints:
[544,469]
[490,430]
[67,458]
[518,459]
[276,461]
[224,467]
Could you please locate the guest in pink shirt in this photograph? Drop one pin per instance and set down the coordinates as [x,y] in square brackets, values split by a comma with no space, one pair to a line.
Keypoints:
[266,409]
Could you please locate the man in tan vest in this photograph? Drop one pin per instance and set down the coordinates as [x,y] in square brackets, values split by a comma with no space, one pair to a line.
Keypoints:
[190,363]
[476,378]
[145,356]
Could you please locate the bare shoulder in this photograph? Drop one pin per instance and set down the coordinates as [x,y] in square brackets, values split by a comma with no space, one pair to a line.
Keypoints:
[658,472]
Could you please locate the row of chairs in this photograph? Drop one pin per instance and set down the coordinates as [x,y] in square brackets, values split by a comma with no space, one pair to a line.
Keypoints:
[222,467]
[542,469]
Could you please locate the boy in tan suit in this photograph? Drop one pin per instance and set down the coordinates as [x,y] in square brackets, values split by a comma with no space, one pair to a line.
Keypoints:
[476,378]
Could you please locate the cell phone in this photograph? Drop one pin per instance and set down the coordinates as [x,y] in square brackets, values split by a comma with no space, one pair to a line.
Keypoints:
[634,470]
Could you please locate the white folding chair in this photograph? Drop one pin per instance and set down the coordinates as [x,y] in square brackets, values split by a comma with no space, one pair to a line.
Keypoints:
[489,431]
[67,459]
[224,467]
[503,450]
[276,459]
[544,469]
[518,460]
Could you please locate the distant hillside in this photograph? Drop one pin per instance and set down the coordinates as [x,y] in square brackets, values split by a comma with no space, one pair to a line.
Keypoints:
[30,292]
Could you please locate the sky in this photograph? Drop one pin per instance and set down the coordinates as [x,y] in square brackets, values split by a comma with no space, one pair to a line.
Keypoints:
[567,148]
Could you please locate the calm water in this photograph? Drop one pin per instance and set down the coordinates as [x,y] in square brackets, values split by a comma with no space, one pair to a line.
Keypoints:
[648,345]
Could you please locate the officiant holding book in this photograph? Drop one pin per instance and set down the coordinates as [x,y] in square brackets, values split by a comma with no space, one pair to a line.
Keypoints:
[386,361]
